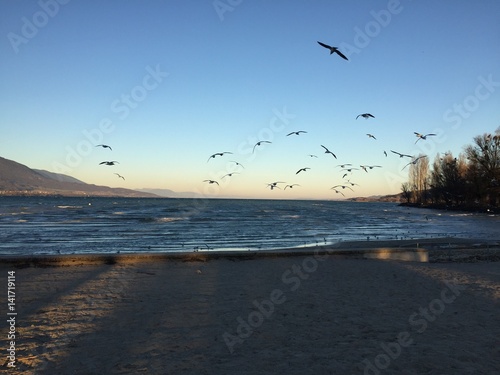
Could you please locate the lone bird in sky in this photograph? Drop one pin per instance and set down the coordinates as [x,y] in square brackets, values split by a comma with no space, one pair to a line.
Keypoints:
[365,116]
[120,176]
[371,136]
[296,133]
[422,136]
[105,146]
[302,170]
[333,50]
[211,181]
[109,162]
[259,143]
[327,151]
[218,154]
[290,186]
[312,156]
[401,155]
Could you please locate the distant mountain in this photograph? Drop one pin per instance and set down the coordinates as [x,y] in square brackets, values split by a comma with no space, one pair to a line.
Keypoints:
[18,179]
[57,176]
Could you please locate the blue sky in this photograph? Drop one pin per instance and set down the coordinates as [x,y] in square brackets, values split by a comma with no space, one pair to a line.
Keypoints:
[168,83]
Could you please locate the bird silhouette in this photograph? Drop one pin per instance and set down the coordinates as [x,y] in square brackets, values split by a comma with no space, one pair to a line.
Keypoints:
[365,116]
[109,162]
[422,136]
[120,176]
[312,156]
[343,165]
[401,155]
[229,174]
[218,154]
[302,170]
[342,186]
[211,181]
[371,136]
[349,169]
[241,165]
[296,133]
[337,191]
[385,153]
[414,161]
[104,146]
[290,186]
[333,50]
[327,151]
[259,143]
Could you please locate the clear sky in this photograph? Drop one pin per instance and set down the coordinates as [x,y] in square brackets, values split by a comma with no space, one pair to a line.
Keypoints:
[168,83]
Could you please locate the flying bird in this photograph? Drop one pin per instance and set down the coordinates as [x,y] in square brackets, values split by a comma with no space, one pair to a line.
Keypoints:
[302,170]
[333,50]
[259,143]
[371,136]
[211,181]
[290,186]
[385,153]
[350,169]
[120,176]
[312,156]
[337,191]
[237,163]
[218,154]
[422,136]
[401,155]
[296,133]
[414,161]
[342,186]
[365,116]
[343,165]
[364,167]
[104,146]
[229,174]
[327,151]
[273,186]
[109,162]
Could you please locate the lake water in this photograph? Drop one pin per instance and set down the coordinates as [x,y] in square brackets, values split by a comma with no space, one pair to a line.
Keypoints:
[43,225]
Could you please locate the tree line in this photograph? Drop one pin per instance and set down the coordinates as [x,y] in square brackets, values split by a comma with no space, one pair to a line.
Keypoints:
[469,181]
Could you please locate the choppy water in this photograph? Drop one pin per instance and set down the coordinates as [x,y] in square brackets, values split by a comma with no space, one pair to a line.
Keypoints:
[33,225]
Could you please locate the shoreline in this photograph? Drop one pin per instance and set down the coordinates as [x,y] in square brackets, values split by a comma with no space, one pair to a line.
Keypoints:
[421,250]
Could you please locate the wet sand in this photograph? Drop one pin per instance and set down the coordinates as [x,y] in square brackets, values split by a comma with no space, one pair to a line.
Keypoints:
[321,311]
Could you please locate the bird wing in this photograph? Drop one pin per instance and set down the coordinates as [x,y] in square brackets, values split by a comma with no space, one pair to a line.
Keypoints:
[370,115]
[324,45]
[327,150]
[341,54]
[397,153]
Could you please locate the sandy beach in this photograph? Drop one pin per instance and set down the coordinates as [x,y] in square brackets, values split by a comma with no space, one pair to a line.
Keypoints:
[283,313]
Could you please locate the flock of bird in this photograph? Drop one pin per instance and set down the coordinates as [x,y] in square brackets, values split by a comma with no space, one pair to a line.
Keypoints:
[347,168]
